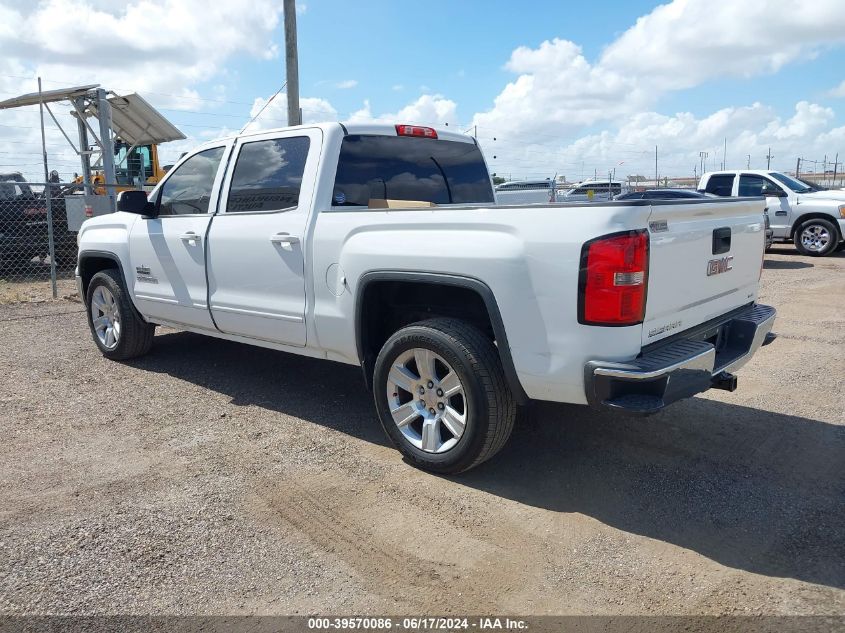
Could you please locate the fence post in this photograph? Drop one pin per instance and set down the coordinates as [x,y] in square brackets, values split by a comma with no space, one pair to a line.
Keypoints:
[51,248]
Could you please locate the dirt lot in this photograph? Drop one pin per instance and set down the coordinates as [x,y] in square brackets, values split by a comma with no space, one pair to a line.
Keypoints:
[210,477]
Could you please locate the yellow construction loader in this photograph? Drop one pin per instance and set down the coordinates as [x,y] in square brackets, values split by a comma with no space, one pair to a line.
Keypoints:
[135,167]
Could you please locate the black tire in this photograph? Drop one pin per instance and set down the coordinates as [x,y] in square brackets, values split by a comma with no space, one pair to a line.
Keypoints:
[821,223]
[490,411]
[136,335]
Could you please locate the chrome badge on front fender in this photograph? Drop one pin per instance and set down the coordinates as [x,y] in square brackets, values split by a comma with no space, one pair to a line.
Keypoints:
[719,266]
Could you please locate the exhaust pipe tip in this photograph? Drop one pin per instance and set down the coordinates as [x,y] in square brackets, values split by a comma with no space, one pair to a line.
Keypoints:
[725,381]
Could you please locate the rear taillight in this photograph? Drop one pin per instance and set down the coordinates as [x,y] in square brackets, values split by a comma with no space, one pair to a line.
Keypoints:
[416,130]
[613,279]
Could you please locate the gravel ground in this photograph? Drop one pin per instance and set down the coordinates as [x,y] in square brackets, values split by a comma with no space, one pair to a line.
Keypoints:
[215,478]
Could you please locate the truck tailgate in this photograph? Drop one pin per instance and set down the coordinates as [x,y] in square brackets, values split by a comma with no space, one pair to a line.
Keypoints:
[705,259]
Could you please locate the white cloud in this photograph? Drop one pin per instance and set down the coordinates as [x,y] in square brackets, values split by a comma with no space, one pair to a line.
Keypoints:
[557,91]
[808,121]
[398,87]
[557,87]
[687,42]
[838,91]
[162,49]
[362,115]
[431,109]
[314,110]
[749,130]
[346,84]
[426,110]
[152,45]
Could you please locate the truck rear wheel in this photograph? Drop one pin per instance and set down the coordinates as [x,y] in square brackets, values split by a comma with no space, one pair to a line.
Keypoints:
[816,237]
[441,395]
[118,330]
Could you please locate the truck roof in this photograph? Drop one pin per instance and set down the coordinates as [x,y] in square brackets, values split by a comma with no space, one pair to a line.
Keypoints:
[386,129]
[760,172]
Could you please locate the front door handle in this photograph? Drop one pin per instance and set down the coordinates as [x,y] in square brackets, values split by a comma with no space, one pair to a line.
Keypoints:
[285,240]
[781,213]
[190,236]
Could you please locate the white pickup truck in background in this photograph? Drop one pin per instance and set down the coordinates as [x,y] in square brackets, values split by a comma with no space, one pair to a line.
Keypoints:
[813,220]
[526,192]
[382,246]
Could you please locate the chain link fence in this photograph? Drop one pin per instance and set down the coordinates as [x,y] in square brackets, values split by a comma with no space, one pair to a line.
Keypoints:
[38,229]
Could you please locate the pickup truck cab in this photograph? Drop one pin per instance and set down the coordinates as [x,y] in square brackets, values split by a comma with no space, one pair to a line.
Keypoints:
[382,246]
[525,192]
[813,220]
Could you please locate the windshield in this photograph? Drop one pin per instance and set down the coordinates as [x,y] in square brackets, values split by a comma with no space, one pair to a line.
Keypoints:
[813,186]
[795,185]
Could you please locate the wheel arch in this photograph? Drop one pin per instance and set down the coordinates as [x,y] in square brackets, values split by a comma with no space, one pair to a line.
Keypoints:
[814,215]
[366,299]
[91,262]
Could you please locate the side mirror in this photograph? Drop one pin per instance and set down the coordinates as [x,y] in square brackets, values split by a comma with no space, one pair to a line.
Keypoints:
[135,201]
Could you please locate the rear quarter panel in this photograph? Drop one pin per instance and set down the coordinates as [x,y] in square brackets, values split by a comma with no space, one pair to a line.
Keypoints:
[528,256]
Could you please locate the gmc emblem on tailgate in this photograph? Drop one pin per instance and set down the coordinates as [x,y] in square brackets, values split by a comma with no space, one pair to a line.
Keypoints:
[718,266]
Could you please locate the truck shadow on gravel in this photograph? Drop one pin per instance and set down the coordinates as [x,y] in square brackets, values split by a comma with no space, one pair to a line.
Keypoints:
[779,264]
[747,488]
[750,489]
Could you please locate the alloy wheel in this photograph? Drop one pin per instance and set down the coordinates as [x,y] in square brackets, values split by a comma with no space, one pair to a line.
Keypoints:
[105,317]
[427,400]
[815,237]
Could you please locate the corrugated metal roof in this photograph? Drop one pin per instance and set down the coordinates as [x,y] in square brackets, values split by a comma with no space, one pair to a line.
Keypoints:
[137,122]
[46,96]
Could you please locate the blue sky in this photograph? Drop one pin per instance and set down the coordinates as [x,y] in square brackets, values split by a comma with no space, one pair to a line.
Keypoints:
[568,88]
[458,49]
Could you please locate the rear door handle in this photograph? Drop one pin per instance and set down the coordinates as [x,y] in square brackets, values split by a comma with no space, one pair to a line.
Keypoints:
[190,236]
[781,213]
[285,240]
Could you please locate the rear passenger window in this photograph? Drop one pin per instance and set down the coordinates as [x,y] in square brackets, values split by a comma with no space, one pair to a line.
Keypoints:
[409,168]
[268,175]
[720,184]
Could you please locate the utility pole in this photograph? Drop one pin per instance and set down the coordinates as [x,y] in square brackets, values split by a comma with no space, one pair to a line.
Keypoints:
[48,195]
[769,158]
[748,163]
[656,181]
[798,168]
[725,153]
[835,163]
[292,63]
[703,156]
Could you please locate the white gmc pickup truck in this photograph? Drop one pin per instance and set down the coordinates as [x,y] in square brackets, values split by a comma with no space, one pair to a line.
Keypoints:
[382,246]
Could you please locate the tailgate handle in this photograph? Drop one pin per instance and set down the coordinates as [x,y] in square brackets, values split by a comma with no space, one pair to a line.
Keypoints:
[721,240]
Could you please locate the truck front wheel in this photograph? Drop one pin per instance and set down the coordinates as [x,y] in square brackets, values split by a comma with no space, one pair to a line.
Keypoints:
[441,395]
[118,330]
[816,237]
